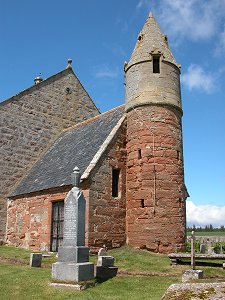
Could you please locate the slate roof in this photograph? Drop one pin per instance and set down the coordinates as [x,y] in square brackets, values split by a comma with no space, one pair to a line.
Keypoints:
[74,147]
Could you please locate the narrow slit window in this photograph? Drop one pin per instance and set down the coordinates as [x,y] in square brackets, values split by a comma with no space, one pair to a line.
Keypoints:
[142,203]
[139,153]
[156,66]
[115,182]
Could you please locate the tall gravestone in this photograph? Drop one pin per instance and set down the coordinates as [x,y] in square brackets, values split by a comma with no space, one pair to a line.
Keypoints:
[73,257]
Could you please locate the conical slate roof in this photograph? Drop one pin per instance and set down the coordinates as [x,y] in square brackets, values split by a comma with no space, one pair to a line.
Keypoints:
[151,41]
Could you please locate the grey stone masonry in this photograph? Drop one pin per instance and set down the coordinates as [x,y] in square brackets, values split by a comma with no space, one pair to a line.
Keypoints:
[73,257]
[143,86]
[31,120]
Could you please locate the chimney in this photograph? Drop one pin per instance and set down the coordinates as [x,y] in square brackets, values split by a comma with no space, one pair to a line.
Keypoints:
[38,79]
[69,63]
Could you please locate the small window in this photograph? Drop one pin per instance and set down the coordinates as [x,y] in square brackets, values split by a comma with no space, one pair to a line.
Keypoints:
[115,182]
[156,67]
[142,203]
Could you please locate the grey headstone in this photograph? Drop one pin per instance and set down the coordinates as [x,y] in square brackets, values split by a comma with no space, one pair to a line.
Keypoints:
[209,247]
[217,250]
[202,248]
[35,260]
[105,261]
[73,257]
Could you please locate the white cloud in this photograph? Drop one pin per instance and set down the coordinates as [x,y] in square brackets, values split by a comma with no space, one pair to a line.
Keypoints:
[220,49]
[106,72]
[201,215]
[143,3]
[189,19]
[197,78]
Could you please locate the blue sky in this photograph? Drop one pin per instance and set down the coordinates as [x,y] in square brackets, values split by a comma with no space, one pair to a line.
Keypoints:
[99,35]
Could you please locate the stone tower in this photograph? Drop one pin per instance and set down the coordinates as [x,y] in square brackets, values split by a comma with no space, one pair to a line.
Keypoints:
[156,192]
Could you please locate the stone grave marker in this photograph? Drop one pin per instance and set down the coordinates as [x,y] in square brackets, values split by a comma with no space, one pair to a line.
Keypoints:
[202,248]
[192,274]
[209,247]
[73,257]
[193,250]
[105,268]
[35,260]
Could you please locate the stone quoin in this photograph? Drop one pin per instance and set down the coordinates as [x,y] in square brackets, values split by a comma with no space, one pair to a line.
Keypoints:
[130,158]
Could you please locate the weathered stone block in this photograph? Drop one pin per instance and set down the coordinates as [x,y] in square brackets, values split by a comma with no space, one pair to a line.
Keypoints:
[191,275]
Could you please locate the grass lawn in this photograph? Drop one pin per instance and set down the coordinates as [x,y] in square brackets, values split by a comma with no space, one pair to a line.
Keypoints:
[207,233]
[20,282]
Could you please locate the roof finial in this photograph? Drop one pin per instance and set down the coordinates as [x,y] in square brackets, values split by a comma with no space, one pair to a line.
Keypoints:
[69,63]
[150,15]
[75,176]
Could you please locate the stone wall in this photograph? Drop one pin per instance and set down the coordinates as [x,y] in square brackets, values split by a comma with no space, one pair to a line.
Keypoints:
[31,120]
[144,87]
[106,213]
[155,179]
[30,217]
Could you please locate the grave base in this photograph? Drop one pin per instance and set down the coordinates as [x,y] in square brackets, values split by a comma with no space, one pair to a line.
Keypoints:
[191,275]
[78,254]
[104,273]
[77,287]
[73,271]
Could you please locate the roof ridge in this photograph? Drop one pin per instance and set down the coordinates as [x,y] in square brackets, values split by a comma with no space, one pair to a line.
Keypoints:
[102,149]
[93,118]
[35,86]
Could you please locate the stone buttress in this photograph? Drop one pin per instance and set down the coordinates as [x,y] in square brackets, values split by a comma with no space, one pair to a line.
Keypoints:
[155,216]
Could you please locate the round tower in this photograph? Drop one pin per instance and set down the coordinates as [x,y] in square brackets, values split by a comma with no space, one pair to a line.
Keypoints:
[156,192]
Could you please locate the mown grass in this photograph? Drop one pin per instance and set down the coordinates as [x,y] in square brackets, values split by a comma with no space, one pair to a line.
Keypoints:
[207,233]
[24,283]
[20,282]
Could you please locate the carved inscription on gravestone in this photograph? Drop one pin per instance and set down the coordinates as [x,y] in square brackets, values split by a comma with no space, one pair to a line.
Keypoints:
[70,216]
[74,219]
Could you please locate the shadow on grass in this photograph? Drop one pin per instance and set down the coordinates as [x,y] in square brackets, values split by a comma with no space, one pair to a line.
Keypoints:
[202,263]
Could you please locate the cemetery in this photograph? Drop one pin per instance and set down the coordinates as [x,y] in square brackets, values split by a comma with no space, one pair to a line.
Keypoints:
[115,274]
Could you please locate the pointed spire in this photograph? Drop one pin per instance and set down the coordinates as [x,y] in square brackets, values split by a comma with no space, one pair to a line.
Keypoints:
[150,15]
[151,41]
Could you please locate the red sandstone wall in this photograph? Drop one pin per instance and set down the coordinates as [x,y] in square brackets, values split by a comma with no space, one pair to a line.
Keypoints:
[106,213]
[155,179]
[29,220]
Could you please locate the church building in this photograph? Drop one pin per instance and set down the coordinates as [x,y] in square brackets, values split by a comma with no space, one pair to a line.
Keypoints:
[130,158]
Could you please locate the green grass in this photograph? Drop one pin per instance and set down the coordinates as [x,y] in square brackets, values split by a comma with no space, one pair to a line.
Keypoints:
[130,259]
[207,233]
[20,282]
[24,283]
